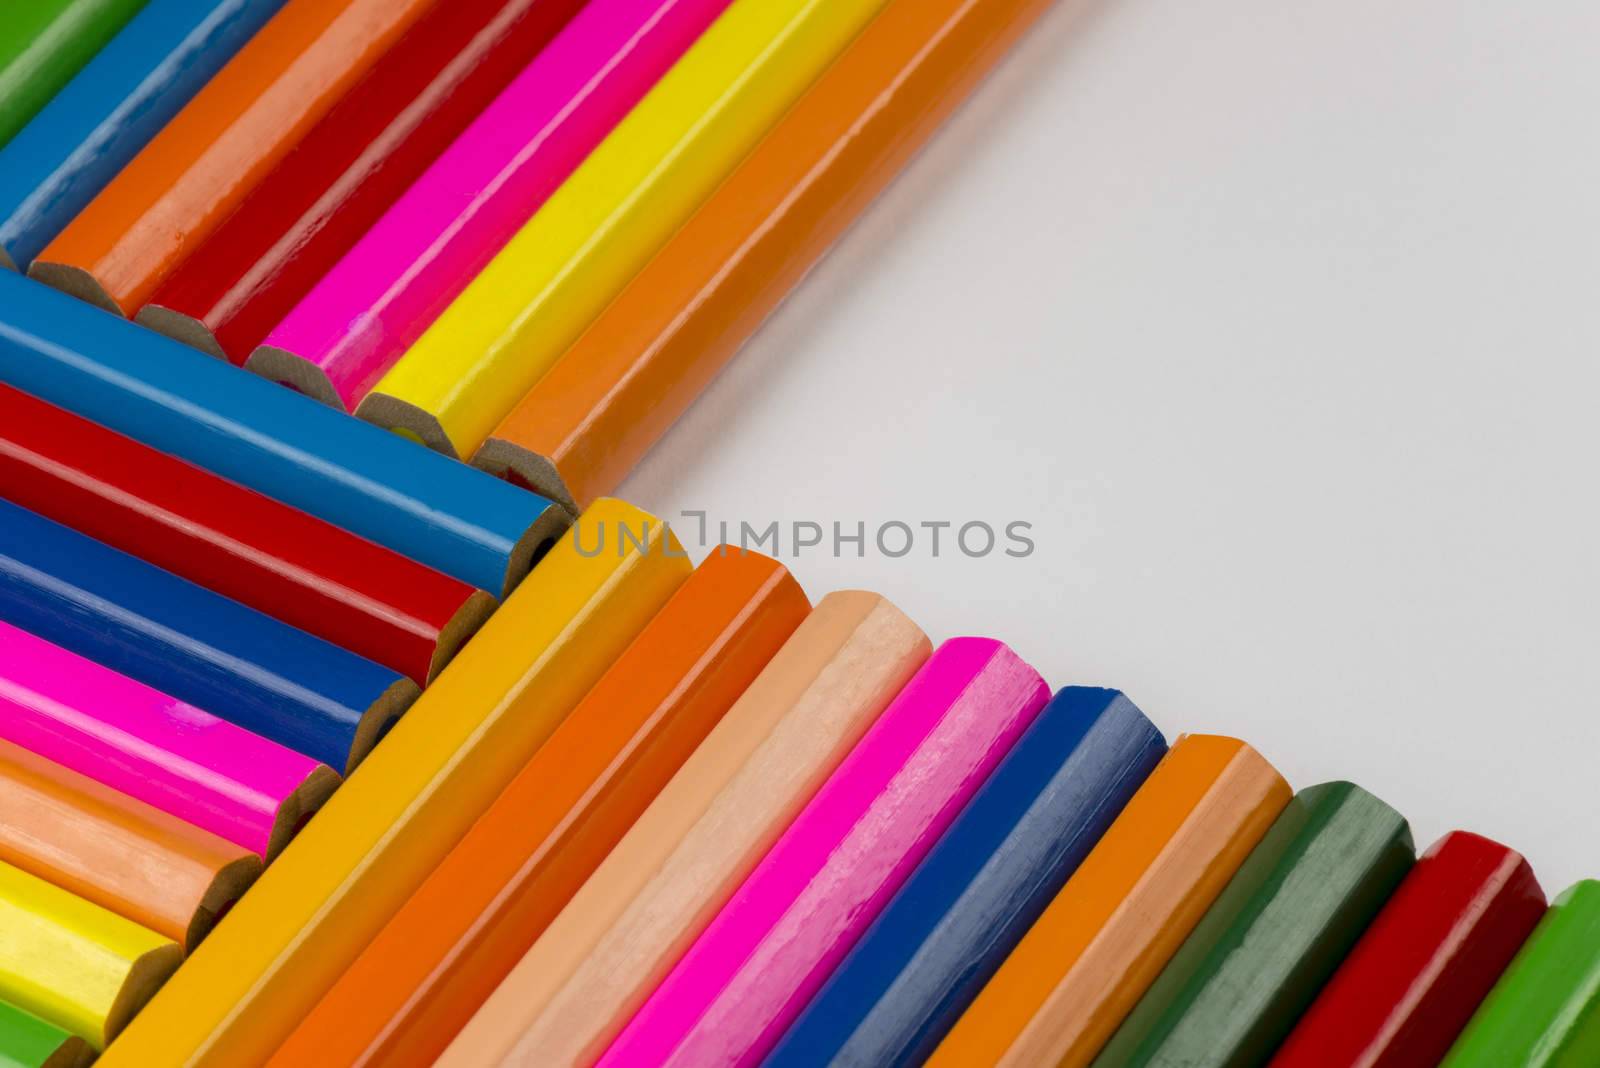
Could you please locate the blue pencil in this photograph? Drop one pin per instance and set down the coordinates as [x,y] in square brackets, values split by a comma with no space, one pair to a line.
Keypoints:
[110,110]
[437,511]
[976,893]
[170,634]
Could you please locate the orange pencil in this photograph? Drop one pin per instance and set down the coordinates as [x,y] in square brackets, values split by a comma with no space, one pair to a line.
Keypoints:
[576,434]
[421,979]
[1095,949]
[115,850]
[185,182]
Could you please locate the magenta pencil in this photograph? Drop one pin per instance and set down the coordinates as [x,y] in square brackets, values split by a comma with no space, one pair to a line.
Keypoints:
[772,946]
[385,292]
[142,743]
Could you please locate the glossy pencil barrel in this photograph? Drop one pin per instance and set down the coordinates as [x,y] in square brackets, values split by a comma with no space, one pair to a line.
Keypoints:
[110,110]
[297,569]
[285,944]
[579,431]
[1098,946]
[424,975]
[1234,990]
[1545,1010]
[26,1041]
[945,933]
[182,639]
[71,962]
[338,180]
[777,939]
[575,988]
[170,397]
[116,851]
[181,186]
[452,388]
[142,743]
[43,43]
[379,298]
[1422,968]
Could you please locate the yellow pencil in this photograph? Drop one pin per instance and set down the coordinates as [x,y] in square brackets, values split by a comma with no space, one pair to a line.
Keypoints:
[301,925]
[613,214]
[72,963]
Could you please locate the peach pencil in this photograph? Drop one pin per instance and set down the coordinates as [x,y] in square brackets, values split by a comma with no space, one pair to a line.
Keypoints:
[775,942]
[117,851]
[574,990]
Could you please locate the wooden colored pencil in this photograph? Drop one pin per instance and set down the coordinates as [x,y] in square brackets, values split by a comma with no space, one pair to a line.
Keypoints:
[192,174]
[199,646]
[348,330]
[930,951]
[288,940]
[530,303]
[610,397]
[29,1042]
[572,992]
[1545,1010]
[72,963]
[425,974]
[142,743]
[1419,972]
[1099,945]
[754,968]
[117,851]
[347,170]
[150,388]
[1235,988]
[110,110]
[43,43]
[295,568]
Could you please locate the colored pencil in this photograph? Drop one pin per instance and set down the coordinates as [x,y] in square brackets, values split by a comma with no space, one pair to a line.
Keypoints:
[142,743]
[348,330]
[110,110]
[29,1042]
[508,326]
[229,539]
[192,174]
[968,903]
[347,170]
[72,963]
[117,851]
[612,395]
[168,396]
[754,968]
[43,43]
[572,992]
[421,979]
[1418,973]
[198,646]
[1545,1010]
[1235,988]
[1099,945]
[288,940]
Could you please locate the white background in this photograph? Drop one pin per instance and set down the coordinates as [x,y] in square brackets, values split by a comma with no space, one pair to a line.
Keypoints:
[1281,324]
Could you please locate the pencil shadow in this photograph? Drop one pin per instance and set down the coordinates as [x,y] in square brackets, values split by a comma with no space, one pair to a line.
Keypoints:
[777,352]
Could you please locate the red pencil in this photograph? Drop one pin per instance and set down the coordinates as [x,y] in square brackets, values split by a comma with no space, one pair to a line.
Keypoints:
[1408,988]
[251,548]
[351,166]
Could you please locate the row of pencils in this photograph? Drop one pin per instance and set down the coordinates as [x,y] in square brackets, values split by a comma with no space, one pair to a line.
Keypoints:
[355,723]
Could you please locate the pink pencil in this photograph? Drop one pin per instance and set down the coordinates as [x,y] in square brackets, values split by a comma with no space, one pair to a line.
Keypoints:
[779,937]
[147,745]
[386,291]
